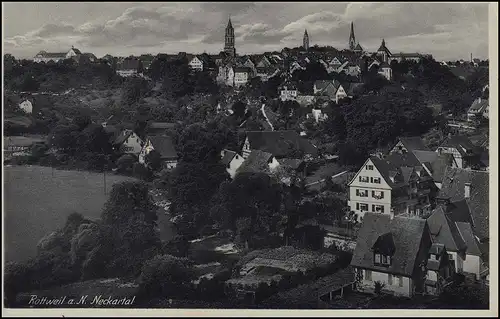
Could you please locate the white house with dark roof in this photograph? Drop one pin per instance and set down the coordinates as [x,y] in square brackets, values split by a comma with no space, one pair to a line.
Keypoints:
[44,56]
[232,161]
[164,145]
[395,185]
[393,252]
[128,142]
[288,91]
[385,70]
[409,144]
[242,75]
[196,63]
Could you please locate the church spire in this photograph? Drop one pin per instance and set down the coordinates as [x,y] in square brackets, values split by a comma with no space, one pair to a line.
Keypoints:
[305,40]
[229,39]
[352,38]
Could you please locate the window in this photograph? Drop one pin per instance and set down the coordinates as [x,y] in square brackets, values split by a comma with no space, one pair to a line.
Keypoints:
[368,275]
[364,179]
[389,279]
[378,208]
[377,258]
[361,193]
[400,279]
[450,256]
[378,195]
[357,206]
[369,167]
[376,180]
[363,207]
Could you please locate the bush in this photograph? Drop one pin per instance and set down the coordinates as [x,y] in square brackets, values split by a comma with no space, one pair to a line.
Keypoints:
[378,287]
[166,276]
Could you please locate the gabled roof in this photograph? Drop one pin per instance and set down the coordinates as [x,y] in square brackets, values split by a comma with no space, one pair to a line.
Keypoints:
[479,105]
[228,157]
[358,47]
[406,233]
[383,48]
[291,162]
[436,163]
[279,143]
[122,137]
[76,50]
[453,187]
[413,143]
[164,145]
[473,246]
[445,231]
[51,55]
[256,162]
[461,143]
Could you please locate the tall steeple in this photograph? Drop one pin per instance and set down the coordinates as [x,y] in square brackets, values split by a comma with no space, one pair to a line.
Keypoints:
[229,39]
[305,41]
[352,38]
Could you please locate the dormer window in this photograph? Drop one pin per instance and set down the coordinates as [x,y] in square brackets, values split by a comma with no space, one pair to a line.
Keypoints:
[369,167]
[382,260]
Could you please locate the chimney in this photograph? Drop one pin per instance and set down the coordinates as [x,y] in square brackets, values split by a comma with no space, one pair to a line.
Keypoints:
[467,190]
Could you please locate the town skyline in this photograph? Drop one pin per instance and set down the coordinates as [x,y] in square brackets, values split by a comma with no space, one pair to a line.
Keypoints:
[450,31]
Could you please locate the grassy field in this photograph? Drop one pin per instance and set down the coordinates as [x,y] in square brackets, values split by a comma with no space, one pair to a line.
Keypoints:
[36,203]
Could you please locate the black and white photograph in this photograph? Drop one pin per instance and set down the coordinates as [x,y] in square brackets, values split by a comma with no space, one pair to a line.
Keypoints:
[249,156]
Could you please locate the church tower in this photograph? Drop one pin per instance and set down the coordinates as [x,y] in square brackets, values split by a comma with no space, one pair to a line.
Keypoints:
[305,41]
[352,39]
[229,40]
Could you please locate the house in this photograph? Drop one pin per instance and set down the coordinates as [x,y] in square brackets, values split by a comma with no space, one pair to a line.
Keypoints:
[332,90]
[478,109]
[352,69]
[90,56]
[258,162]
[317,115]
[20,145]
[128,142]
[409,144]
[196,63]
[397,184]
[44,56]
[288,91]
[241,75]
[26,106]
[164,145]
[232,161]
[393,252]
[465,154]
[129,67]
[466,253]
[281,144]
[435,164]
[440,269]
[473,187]
[383,52]
[385,70]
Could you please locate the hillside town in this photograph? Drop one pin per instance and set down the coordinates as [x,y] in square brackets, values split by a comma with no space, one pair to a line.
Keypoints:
[308,178]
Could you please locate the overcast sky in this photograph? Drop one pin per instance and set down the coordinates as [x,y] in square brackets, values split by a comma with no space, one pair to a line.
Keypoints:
[446,30]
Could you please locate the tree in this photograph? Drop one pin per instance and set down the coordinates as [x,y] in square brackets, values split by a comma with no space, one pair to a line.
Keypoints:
[166,276]
[154,161]
[253,202]
[125,163]
[239,109]
[134,90]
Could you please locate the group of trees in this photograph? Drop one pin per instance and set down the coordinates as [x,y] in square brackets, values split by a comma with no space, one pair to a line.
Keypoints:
[28,76]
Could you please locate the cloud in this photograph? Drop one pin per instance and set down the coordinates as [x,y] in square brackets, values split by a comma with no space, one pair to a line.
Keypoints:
[198,27]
